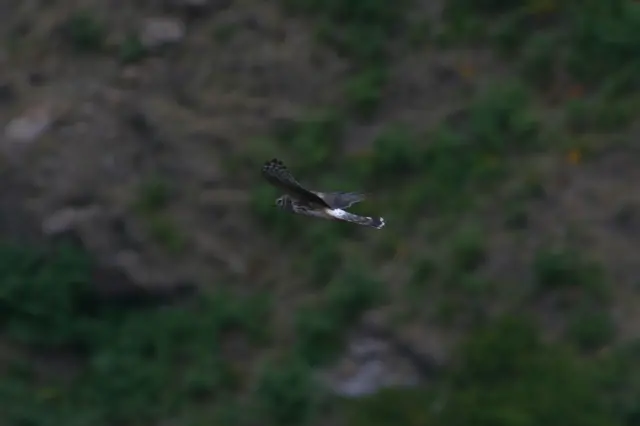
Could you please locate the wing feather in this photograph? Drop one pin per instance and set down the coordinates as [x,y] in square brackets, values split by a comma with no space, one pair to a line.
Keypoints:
[276,173]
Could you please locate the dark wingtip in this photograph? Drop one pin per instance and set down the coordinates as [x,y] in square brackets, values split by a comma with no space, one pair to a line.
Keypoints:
[268,164]
[380,223]
[272,162]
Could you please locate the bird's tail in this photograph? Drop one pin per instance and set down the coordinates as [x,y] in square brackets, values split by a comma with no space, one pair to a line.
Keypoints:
[341,200]
[373,222]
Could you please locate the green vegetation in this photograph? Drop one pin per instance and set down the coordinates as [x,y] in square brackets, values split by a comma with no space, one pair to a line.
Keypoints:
[85,32]
[41,297]
[165,232]
[287,395]
[154,197]
[568,33]
[557,269]
[128,365]
[132,50]
[124,360]
[468,250]
[320,328]
[591,329]
[450,164]
[362,32]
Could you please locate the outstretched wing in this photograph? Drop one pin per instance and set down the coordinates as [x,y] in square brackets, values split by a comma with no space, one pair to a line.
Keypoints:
[341,200]
[374,222]
[276,173]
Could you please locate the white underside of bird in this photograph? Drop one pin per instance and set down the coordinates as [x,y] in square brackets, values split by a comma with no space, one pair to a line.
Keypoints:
[345,215]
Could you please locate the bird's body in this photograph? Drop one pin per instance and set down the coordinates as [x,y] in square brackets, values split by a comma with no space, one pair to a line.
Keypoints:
[326,205]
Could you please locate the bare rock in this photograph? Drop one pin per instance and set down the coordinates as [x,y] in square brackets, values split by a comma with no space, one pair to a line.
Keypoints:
[115,284]
[23,131]
[158,32]
[369,365]
[66,219]
[122,283]
[29,126]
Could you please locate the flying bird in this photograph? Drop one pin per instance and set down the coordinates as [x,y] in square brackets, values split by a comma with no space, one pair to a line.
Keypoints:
[300,200]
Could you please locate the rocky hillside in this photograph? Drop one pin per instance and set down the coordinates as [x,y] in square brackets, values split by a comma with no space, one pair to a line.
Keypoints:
[147,278]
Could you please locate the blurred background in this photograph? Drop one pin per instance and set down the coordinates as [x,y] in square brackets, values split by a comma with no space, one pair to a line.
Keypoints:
[146,277]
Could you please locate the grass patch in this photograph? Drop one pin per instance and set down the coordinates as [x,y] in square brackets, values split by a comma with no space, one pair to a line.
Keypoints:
[325,260]
[424,272]
[131,50]
[446,169]
[287,394]
[363,91]
[313,140]
[506,375]
[468,250]
[85,32]
[164,231]
[550,33]
[130,365]
[558,268]
[42,294]
[154,195]
[357,28]
[594,115]
[320,329]
[591,329]
[319,337]
[361,31]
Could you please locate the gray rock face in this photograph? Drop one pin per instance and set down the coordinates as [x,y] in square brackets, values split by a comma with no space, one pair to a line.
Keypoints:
[29,126]
[158,32]
[65,220]
[371,363]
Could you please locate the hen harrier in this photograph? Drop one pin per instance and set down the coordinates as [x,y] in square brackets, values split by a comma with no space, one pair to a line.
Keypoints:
[327,205]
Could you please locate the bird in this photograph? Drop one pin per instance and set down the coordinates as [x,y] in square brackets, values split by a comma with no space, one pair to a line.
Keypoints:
[327,205]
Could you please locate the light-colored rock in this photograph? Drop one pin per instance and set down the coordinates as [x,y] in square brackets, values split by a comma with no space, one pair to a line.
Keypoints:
[29,126]
[158,32]
[368,365]
[67,219]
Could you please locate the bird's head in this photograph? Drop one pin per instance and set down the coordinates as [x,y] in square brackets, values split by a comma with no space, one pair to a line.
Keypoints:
[284,202]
